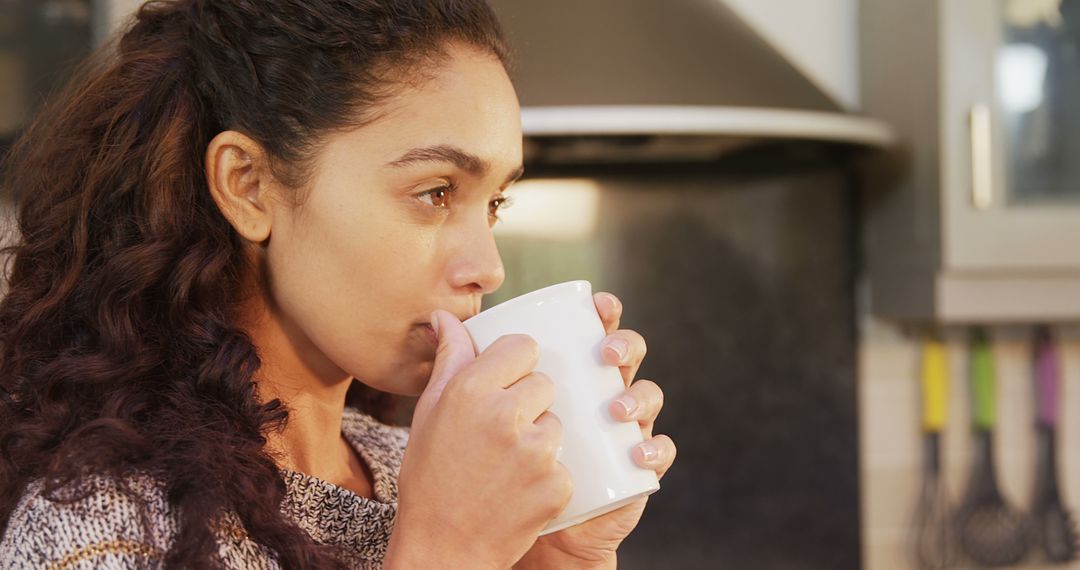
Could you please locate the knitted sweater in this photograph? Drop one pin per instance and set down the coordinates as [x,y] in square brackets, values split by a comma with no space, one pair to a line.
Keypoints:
[103,530]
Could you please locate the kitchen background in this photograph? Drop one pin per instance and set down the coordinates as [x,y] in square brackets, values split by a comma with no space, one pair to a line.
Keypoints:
[851,178]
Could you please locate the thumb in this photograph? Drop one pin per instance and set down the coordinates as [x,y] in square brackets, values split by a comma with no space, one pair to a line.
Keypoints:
[454,353]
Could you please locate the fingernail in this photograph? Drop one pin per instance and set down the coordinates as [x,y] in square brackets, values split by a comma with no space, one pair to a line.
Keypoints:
[628,403]
[435,323]
[619,346]
[611,299]
[648,452]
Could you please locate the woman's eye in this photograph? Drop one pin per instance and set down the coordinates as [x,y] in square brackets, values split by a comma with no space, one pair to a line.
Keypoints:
[438,197]
[500,203]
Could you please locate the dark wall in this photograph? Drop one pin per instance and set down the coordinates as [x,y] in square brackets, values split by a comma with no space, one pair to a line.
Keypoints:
[743,289]
[41,42]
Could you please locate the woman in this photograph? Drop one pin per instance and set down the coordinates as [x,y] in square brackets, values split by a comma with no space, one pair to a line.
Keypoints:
[241,233]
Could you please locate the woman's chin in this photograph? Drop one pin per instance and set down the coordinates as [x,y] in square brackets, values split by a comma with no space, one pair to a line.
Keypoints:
[411,382]
[421,379]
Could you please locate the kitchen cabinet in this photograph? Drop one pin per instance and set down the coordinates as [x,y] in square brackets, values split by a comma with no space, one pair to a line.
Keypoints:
[976,216]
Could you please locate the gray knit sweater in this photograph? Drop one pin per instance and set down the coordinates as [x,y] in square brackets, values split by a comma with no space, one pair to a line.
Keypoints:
[103,529]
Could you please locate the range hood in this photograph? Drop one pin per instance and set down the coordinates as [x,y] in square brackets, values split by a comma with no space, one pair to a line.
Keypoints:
[614,81]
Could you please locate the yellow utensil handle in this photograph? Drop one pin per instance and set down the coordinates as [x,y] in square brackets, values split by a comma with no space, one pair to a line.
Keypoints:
[935,385]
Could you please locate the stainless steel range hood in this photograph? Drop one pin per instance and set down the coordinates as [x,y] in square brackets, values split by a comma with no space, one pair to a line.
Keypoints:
[605,81]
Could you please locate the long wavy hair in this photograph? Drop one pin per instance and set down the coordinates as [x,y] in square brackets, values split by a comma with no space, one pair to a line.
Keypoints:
[119,346]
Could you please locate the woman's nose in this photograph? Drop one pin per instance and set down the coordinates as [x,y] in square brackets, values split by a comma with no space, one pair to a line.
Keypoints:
[477,264]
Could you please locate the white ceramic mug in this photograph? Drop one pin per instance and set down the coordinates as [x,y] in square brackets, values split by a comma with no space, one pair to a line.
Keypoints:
[595,448]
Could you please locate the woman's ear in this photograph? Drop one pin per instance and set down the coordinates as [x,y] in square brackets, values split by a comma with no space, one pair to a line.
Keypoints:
[240,183]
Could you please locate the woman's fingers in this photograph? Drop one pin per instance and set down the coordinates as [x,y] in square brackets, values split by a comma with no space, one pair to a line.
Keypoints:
[547,432]
[622,348]
[531,396]
[625,349]
[610,309]
[642,401]
[656,453]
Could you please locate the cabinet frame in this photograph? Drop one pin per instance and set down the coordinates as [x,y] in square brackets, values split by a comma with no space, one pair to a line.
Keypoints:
[931,252]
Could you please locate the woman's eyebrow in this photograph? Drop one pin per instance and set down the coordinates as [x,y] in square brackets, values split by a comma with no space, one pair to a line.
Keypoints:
[514,175]
[460,158]
[442,153]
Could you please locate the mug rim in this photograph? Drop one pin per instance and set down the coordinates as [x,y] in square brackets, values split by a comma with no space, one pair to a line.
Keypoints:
[528,296]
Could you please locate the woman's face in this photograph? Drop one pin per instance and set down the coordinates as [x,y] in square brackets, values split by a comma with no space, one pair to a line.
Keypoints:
[396,223]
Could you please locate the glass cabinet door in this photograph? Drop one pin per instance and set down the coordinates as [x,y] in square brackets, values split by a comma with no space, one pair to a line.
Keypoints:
[1037,84]
[1010,86]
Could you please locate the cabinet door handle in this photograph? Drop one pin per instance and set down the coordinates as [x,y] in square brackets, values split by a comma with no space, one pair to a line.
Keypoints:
[982,188]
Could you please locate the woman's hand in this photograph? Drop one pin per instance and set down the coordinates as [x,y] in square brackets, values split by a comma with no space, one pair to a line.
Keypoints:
[479,479]
[593,543]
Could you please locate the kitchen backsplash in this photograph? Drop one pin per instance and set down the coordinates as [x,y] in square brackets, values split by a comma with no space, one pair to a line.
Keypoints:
[891,443]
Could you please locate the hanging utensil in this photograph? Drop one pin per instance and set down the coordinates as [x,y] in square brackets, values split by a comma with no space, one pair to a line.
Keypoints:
[991,532]
[933,546]
[1053,525]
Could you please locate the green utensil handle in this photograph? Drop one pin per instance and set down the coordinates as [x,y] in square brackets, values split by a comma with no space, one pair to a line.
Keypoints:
[983,383]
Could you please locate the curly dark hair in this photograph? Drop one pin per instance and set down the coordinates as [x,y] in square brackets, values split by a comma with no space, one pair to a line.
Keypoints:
[118,339]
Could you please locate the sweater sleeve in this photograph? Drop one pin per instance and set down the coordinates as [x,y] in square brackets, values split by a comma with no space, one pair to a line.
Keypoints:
[99,530]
